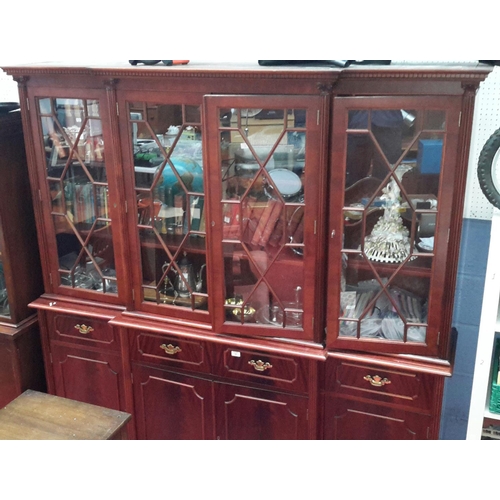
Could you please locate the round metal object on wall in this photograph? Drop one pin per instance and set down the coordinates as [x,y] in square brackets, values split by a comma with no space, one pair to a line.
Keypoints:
[488,169]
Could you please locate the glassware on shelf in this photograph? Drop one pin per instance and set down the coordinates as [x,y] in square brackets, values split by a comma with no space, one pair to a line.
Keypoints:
[289,314]
[383,313]
[263,203]
[77,180]
[393,174]
[168,167]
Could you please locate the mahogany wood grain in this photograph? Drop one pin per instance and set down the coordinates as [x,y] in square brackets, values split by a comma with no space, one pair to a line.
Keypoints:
[88,376]
[251,414]
[21,360]
[353,420]
[172,406]
[275,371]
[403,388]
[168,350]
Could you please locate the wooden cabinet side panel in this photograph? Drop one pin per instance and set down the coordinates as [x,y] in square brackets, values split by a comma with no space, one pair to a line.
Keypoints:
[21,363]
[10,382]
[19,246]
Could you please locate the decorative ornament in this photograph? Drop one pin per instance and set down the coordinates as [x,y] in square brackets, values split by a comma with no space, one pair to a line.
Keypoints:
[389,241]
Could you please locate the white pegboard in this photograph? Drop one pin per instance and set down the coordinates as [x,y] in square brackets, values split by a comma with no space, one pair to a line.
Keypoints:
[486,121]
[8,88]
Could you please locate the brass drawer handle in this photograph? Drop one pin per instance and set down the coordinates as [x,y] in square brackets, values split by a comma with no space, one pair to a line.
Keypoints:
[84,329]
[170,349]
[377,381]
[260,366]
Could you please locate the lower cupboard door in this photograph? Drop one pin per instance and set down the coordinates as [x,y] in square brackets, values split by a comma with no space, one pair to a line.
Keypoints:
[349,420]
[171,406]
[87,376]
[252,414]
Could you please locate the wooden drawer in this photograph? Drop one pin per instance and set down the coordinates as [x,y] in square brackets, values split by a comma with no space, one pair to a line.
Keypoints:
[382,384]
[83,330]
[169,351]
[273,370]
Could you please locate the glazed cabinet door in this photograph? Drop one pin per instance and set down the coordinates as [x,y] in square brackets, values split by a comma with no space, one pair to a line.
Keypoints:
[172,406]
[266,181]
[393,181]
[162,140]
[244,413]
[75,160]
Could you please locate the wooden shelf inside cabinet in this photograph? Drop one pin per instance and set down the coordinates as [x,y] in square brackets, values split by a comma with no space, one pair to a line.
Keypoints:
[417,268]
[191,244]
[62,164]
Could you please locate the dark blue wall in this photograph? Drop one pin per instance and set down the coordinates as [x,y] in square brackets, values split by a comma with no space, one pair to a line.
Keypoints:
[467,313]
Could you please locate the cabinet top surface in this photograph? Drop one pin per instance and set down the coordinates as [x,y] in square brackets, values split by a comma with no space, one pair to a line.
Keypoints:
[35,416]
[194,68]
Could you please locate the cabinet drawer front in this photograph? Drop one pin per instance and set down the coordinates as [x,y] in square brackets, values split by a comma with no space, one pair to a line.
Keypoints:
[84,330]
[285,372]
[170,350]
[382,384]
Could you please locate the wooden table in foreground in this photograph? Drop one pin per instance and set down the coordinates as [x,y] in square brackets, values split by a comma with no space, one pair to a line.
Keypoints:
[38,416]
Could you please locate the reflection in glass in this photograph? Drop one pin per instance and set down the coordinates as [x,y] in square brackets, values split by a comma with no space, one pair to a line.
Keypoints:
[4,299]
[168,167]
[262,208]
[77,180]
[391,204]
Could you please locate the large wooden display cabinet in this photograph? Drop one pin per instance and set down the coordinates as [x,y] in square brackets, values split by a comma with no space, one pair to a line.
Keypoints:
[249,252]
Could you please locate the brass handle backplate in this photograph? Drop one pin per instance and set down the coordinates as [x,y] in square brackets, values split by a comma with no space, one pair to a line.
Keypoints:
[377,381]
[260,366]
[84,329]
[170,349]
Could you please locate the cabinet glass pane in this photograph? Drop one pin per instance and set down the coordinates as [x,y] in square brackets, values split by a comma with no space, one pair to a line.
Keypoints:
[393,166]
[262,206]
[4,300]
[77,180]
[170,195]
